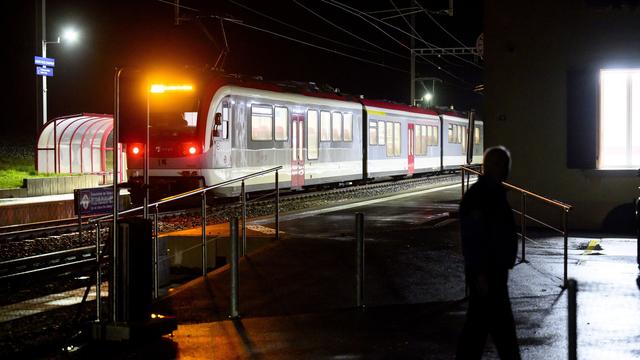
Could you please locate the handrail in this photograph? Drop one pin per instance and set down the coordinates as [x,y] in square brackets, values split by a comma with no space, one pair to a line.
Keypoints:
[567,207]
[191,192]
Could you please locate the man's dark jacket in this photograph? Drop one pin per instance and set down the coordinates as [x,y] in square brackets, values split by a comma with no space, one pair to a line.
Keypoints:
[488,232]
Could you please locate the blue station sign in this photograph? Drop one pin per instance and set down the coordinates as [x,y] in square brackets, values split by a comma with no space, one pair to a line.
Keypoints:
[43,61]
[44,71]
[93,201]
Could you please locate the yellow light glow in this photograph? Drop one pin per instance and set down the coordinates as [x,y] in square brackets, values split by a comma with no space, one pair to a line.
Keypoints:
[161,88]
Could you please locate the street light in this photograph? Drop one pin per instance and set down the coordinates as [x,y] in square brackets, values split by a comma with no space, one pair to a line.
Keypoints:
[69,35]
[427,98]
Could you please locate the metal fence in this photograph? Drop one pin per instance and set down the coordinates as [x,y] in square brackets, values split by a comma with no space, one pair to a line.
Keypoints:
[524,217]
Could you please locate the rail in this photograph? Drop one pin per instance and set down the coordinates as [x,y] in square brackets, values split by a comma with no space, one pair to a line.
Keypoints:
[524,194]
[202,192]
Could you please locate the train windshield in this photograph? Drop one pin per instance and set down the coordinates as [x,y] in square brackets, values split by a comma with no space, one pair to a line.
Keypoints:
[173,115]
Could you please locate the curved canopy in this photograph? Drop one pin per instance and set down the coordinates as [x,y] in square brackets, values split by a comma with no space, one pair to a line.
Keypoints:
[78,144]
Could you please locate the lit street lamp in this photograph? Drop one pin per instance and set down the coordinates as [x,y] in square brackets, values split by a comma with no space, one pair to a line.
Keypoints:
[427,98]
[69,36]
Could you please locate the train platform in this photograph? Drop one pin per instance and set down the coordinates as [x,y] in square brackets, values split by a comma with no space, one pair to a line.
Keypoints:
[297,296]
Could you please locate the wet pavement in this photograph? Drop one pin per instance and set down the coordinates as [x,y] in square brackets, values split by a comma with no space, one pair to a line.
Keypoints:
[297,296]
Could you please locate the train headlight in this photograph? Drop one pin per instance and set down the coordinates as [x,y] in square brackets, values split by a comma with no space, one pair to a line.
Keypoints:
[192,150]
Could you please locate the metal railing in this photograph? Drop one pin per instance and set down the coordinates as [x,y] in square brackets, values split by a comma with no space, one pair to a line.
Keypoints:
[524,194]
[202,192]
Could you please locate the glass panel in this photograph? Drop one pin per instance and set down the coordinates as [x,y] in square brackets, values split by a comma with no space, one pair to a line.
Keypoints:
[435,135]
[389,139]
[476,135]
[282,119]
[294,141]
[347,127]
[336,122]
[373,133]
[396,139]
[381,136]
[613,117]
[325,126]
[430,135]
[635,119]
[261,122]
[450,133]
[312,134]
[300,140]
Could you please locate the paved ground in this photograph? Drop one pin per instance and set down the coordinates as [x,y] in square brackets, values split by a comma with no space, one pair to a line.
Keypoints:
[297,296]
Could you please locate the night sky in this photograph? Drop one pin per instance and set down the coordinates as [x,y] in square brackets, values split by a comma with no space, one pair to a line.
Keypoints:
[142,34]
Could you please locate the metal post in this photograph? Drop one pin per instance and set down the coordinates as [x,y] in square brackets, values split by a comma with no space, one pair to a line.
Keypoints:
[468,179]
[233,232]
[114,224]
[98,273]
[44,55]
[462,174]
[156,281]
[572,325]
[244,219]
[566,244]
[204,233]
[277,208]
[146,160]
[359,259]
[523,224]
[79,226]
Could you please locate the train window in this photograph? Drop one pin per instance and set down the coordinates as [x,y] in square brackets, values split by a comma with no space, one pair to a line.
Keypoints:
[225,120]
[451,133]
[421,143]
[325,126]
[381,136]
[435,135]
[417,140]
[347,124]
[476,135]
[336,123]
[396,139]
[373,133]
[312,134]
[430,135]
[389,139]
[261,122]
[281,123]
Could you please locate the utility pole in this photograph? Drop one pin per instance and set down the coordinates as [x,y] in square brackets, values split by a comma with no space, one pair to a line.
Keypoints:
[44,54]
[413,60]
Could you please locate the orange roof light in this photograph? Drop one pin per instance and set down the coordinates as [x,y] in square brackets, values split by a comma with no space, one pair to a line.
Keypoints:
[161,88]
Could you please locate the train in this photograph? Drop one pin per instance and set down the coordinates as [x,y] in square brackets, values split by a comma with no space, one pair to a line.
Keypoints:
[229,127]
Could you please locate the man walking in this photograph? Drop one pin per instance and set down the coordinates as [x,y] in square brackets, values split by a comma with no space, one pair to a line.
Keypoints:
[489,247]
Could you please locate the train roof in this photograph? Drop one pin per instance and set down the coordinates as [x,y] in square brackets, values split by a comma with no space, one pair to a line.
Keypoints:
[399,107]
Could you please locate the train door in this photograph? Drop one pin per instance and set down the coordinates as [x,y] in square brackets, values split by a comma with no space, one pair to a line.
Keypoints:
[411,142]
[297,153]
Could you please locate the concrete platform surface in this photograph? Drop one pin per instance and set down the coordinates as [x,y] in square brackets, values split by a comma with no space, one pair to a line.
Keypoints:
[297,296]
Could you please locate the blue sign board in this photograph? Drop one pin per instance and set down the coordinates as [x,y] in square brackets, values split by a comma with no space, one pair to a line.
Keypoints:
[44,71]
[93,201]
[43,61]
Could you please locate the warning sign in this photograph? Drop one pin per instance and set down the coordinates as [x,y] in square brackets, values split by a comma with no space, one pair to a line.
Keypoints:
[93,201]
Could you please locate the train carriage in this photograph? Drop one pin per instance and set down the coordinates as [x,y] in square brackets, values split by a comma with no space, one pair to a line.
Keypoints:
[402,140]
[233,127]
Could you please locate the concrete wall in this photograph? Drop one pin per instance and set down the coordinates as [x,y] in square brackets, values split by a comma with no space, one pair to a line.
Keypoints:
[52,186]
[529,46]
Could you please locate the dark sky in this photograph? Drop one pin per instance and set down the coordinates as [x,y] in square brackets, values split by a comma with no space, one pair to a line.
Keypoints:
[142,33]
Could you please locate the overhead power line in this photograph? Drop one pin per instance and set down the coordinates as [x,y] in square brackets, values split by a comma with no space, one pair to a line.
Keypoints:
[437,23]
[297,28]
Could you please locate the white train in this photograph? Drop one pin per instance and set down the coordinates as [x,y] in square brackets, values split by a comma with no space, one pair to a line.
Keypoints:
[235,127]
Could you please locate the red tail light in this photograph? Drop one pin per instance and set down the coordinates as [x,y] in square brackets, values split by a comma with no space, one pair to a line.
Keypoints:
[136,149]
[190,149]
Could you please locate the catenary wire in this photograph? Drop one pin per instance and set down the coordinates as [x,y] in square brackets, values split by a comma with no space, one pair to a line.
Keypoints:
[440,26]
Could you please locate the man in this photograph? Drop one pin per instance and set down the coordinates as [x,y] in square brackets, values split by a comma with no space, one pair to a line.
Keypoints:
[489,247]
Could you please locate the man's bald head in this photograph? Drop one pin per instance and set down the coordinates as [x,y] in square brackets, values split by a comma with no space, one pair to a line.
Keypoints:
[497,163]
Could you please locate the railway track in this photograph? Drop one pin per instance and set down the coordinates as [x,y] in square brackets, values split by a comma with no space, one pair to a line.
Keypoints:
[258,204]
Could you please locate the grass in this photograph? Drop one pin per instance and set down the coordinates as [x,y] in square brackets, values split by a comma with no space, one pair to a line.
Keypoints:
[17,163]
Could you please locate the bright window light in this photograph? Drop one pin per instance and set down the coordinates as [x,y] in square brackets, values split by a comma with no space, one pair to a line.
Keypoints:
[619,119]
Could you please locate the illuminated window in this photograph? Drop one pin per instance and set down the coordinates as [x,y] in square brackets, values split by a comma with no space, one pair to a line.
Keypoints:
[336,124]
[396,139]
[389,139]
[430,135]
[435,136]
[476,135]
[619,119]
[225,120]
[347,124]
[261,122]
[451,138]
[282,121]
[312,134]
[325,126]
[373,133]
[381,136]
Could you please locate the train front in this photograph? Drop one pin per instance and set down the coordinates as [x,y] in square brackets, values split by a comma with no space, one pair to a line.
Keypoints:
[176,126]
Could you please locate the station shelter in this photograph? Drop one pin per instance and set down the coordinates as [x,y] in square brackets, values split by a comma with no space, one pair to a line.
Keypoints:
[79,144]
